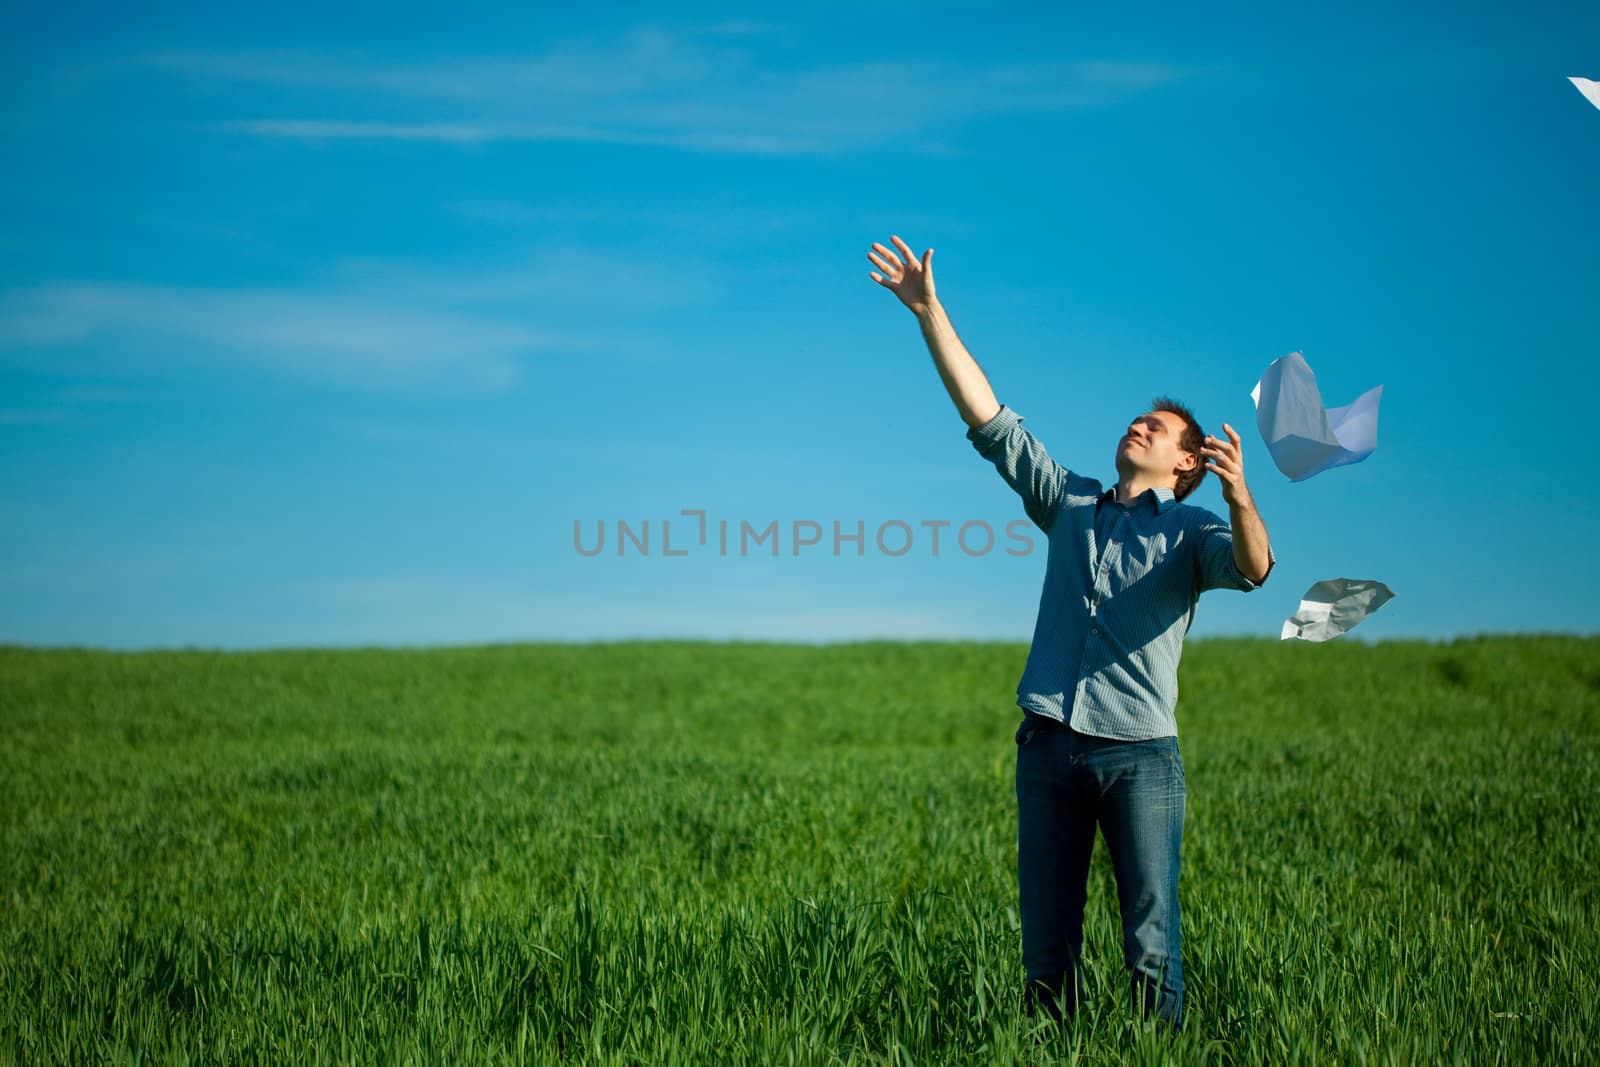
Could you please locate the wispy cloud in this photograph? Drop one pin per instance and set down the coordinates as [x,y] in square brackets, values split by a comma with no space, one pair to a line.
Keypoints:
[373,324]
[96,394]
[728,88]
[517,213]
[326,338]
[34,417]
[553,280]
[79,405]
[443,439]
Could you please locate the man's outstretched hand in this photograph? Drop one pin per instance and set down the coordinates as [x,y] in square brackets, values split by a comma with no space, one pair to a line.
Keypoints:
[1225,459]
[906,278]
[1252,552]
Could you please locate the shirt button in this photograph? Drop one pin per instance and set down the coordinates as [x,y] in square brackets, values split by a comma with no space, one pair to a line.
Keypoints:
[1095,630]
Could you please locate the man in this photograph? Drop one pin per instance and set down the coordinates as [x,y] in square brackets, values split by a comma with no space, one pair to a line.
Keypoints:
[1098,741]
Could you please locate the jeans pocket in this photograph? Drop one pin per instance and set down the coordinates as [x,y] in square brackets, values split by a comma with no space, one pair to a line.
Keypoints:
[1026,730]
[1175,758]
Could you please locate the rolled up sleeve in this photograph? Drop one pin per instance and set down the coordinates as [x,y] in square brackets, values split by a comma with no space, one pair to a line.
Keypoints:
[1023,462]
[1216,568]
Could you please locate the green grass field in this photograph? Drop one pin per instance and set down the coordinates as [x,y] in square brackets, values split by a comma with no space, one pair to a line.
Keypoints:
[679,852]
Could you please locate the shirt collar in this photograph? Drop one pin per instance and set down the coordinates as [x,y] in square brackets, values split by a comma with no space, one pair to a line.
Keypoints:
[1162,497]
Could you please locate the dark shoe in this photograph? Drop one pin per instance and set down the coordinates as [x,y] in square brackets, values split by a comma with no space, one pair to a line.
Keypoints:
[1040,996]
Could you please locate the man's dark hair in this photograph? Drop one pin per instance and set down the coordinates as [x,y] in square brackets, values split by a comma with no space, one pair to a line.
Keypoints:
[1192,440]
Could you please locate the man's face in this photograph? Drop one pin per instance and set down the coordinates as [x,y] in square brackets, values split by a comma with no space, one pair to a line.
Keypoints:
[1151,447]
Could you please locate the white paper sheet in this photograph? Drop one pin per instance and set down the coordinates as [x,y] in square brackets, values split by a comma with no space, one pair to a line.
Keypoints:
[1589,89]
[1332,607]
[1303,437]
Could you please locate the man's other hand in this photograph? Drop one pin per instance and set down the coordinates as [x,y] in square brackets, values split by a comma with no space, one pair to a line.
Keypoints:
[1225,460]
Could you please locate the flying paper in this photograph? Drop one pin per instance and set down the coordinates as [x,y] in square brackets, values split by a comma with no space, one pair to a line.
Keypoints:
[1303,437]
[1331,608]
[1590,89]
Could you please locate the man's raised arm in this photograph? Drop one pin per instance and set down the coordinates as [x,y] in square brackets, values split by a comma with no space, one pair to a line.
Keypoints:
[996,432]
[912,282]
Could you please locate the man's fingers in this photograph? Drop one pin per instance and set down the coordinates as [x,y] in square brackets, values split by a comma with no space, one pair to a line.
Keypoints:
[911,257]
[1232,434]
[881,265]
[888,253]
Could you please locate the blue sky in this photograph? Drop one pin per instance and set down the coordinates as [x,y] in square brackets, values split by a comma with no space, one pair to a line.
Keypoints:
[326,329]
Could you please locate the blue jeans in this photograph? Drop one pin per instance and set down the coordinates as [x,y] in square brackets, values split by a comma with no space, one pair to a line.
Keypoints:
[1067,783]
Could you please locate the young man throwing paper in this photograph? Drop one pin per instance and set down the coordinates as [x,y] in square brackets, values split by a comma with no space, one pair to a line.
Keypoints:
[1098,742]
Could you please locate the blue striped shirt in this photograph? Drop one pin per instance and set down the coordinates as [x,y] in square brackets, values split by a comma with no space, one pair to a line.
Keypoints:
[1120,589]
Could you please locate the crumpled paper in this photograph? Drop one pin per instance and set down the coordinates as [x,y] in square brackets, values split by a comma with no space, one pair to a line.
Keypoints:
[1302,436]
[1589,89]
[1331,608]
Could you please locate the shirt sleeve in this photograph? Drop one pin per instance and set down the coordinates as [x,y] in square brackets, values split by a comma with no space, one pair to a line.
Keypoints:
[1215,565]
[1023,462]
